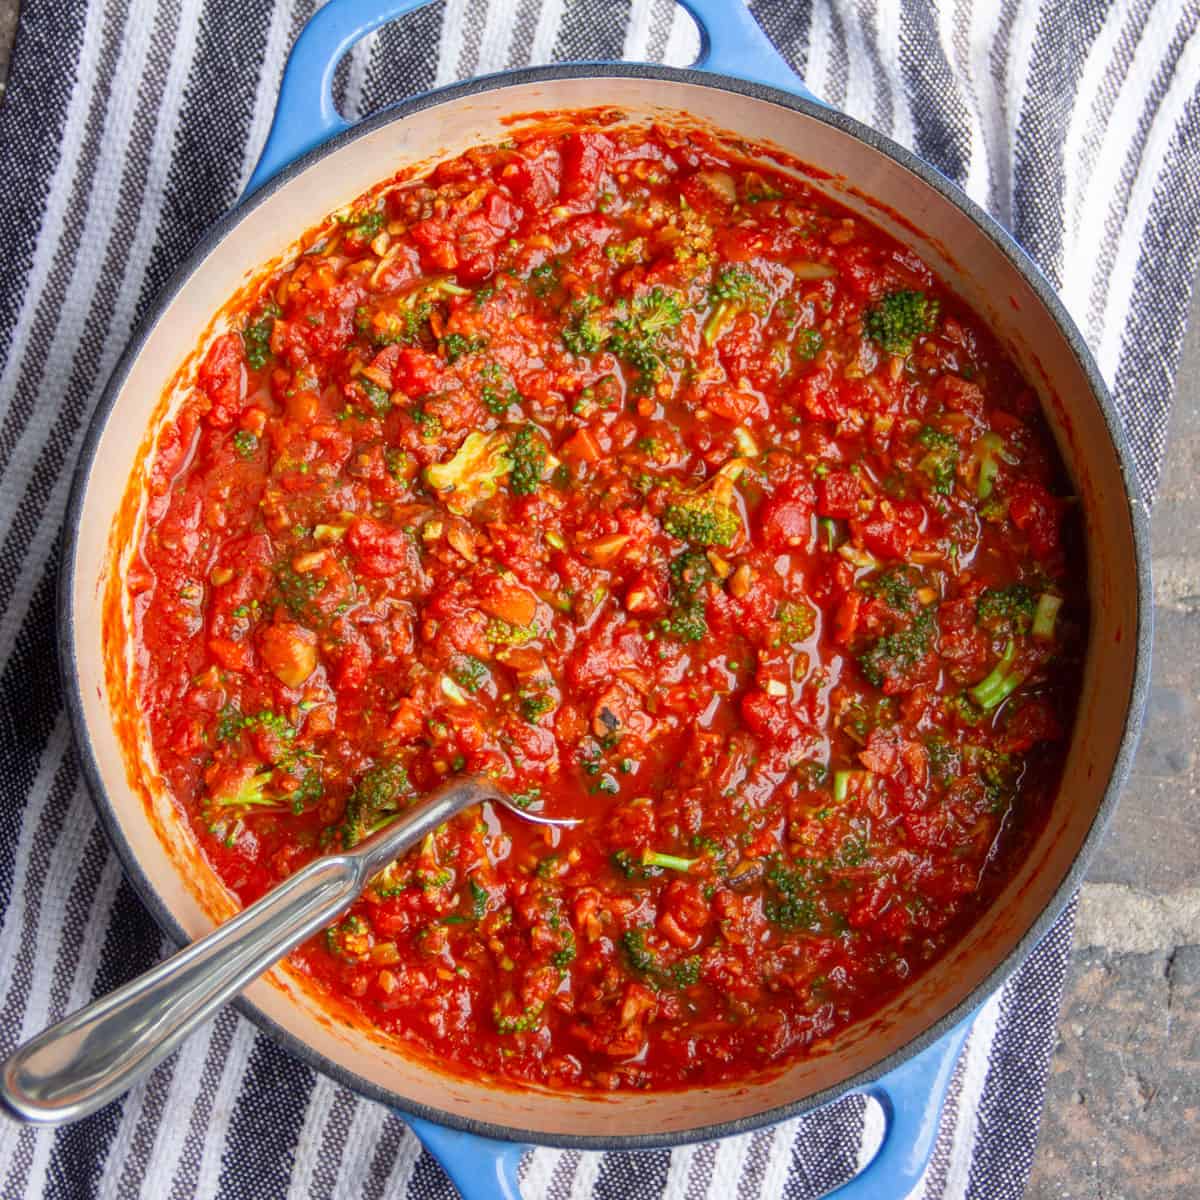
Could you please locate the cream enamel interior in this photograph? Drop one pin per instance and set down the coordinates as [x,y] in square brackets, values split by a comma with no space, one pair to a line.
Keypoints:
[990,283]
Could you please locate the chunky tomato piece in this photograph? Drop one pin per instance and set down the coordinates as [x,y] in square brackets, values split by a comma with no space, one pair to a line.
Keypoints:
[1037,514]
[222,378]
[838,492]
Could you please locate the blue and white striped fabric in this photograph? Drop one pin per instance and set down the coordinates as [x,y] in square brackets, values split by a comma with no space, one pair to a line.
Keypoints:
[129,125]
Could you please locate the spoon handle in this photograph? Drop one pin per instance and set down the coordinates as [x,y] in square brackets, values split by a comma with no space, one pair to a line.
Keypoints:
[99,1052]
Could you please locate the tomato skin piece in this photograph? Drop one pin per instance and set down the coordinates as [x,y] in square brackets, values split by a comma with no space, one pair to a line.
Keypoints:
[416,372]
[585,157]
[893,531]
[1038,515]
[534,183]
[959,395]
[222,378]
[845,621]
[785,521]
[379,550]
[435,240]
[838,493]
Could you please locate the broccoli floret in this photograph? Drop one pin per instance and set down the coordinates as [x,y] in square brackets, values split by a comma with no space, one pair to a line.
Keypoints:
[386,328]
[808,343]
[791,905]
[585,334]
[455,345]
[251,794]
[416,319]
[896,587]
[245,443]
[690,574]
[656,312]
[273,722]
[641,957]
[637,339]
[687,972]
[376,798]
[940,465]
[365,225]
[229,723]
[535,705]
[524,1022]
[893,656]
[945,759]
[429,424]
[543,279]
[565,956]
[701,519]
[641,354]
[299,589]
[736,283]
[900,317]
[632,251]
[256,337]
[431,881]
[311,789]
[688,622]
[648,963]
[629,866]
[1008,608]
[468,672]
[527,454]
[350,938]
[797,621]
[965,709]
[505,634]
[472,473]
[690,571]
[498,402]
[379,398]
[733,290]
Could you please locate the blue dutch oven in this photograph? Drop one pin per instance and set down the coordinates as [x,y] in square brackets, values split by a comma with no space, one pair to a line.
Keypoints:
[314,163]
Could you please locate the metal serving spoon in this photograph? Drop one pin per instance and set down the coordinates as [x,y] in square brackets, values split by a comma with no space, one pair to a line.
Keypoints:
[99,1052]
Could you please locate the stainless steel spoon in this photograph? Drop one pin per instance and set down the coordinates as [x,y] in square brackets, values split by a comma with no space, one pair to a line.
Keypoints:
[99,1052]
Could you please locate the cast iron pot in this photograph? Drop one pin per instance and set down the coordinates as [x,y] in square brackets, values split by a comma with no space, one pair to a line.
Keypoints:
[314,163]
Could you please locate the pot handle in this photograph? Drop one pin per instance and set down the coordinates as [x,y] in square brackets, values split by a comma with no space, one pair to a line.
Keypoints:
[731,43]
[911,1096]
[481,1168]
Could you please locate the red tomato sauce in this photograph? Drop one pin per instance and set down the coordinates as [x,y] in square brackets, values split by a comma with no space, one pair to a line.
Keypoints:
[676,499]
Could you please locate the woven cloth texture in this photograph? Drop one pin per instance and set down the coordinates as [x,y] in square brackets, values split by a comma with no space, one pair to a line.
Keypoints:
[130,125]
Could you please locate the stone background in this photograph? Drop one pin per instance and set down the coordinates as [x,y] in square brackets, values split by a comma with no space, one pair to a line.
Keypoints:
[1122,1118]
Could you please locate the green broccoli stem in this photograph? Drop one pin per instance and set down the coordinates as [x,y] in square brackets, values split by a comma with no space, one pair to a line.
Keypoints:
[671,862]
[1000,683]
[1045,616]
[842,781]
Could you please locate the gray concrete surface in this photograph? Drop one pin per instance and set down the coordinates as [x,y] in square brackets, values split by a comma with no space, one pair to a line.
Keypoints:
[1122,1118]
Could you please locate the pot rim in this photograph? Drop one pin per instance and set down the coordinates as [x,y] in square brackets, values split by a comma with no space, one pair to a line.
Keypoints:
[1139,524]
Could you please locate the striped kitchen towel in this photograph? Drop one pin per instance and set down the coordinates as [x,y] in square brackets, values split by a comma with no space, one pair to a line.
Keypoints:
[129,125]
